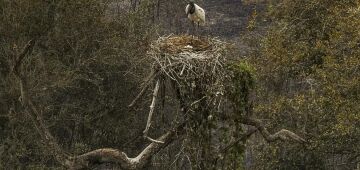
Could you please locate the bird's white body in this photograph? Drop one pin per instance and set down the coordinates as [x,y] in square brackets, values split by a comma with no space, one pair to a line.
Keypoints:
[198,17]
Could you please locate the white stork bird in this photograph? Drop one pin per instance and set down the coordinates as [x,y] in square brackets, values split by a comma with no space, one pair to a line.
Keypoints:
[195,13]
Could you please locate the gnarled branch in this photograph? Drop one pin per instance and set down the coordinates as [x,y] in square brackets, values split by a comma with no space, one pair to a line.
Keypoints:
[119,157]
[283,134]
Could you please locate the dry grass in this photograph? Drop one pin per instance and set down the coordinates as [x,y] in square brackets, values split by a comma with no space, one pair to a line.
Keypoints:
[176,44]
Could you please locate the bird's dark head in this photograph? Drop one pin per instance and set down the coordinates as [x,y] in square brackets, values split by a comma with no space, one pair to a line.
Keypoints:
[191,10]
[191,2]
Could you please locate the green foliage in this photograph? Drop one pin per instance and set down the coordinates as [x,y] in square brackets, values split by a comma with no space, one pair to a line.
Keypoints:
[241,83]
[309,82]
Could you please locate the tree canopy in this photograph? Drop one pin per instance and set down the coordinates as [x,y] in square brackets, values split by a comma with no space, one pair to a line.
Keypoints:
[308,69]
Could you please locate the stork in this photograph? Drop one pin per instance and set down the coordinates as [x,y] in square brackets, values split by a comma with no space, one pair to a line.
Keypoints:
[195,13]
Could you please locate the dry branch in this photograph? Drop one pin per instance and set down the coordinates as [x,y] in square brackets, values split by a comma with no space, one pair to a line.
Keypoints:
[152,107]
[153,140]
[119,157]
[283,134]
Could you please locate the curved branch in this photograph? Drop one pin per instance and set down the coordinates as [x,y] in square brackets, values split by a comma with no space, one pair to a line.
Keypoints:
[119,157]
[283,134]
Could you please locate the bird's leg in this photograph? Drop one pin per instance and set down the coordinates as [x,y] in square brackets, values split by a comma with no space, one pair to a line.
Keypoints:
[197,29]
[193,30]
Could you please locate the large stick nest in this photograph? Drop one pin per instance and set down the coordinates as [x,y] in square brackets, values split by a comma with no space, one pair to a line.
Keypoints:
[196,64]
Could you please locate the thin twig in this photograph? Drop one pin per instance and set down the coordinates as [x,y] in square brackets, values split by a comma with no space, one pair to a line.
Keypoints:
[153,140]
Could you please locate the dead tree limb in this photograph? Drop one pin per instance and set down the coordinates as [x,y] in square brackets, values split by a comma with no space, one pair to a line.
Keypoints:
[283,134]
[119,157]
[153,140]
[151,112]
[152,107]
